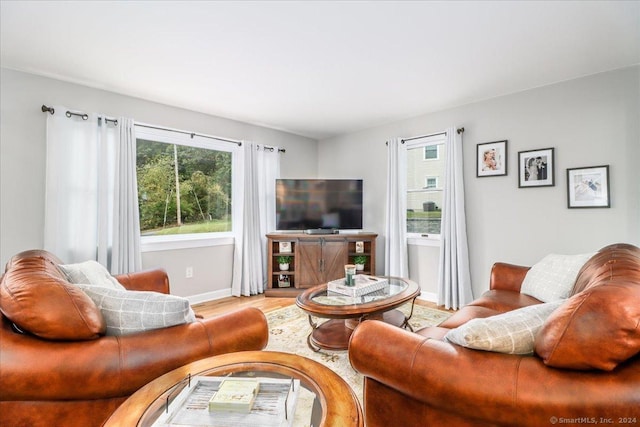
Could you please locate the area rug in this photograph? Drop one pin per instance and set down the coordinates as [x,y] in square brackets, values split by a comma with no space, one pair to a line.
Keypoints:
[289,328]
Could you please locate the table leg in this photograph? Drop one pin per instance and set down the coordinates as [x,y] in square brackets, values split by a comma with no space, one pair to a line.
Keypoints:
[406,324]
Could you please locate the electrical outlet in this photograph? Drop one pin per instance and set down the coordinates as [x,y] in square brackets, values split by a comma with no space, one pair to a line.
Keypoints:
[189,273]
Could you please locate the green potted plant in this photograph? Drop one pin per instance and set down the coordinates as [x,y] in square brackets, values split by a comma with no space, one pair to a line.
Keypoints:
[360,261]
[283,262]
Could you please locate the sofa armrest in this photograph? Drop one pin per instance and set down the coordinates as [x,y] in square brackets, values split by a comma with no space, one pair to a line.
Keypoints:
[155,280]
[116,366]
[493,388]
[507,277]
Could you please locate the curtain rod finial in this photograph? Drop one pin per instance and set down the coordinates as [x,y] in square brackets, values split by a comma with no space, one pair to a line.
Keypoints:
[46,109]
[461,130]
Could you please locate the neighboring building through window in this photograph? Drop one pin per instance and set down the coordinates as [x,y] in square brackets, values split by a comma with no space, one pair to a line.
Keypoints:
[425,173]
[185,184]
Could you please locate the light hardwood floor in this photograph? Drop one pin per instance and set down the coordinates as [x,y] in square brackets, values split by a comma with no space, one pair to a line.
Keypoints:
[224,305]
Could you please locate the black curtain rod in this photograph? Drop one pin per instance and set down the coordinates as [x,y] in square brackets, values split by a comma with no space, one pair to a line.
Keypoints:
[239,143]
[459,131]
[280,150]
[70,114]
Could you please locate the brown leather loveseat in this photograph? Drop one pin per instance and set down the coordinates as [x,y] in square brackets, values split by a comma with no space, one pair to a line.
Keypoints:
[57,368]
[585,368]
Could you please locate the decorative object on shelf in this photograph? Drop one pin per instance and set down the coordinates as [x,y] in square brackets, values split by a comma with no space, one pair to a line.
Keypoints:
[491,159]
[588,187]
[359,247]
[360,261]
[283,281]
[283,262]
[536,168]
[284,247]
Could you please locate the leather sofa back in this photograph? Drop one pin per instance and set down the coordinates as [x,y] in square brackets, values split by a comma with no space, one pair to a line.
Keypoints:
[36,297]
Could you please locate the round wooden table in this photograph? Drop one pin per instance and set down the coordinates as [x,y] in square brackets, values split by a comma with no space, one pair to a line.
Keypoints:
[337,403]
[345,312]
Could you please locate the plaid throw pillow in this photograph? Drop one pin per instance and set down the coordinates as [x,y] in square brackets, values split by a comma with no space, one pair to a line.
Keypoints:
[127,312]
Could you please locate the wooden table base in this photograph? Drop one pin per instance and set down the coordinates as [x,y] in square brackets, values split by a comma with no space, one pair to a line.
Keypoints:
[334,334]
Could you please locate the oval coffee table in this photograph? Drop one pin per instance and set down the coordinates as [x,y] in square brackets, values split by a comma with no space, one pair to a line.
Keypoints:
[332,402]
[345,312]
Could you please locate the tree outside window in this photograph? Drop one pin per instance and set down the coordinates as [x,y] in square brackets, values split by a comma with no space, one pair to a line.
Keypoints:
[183,189]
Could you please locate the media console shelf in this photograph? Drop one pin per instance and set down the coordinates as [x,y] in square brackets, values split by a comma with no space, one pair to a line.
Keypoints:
[315,259]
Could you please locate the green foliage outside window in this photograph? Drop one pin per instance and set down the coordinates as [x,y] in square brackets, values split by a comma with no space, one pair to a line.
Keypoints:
[202,189]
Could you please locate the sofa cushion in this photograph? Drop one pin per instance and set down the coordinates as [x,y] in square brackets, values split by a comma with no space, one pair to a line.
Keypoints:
[91,273]
[553,277]
[612,262]
[127,312]
[512,332]
[596,329]
[41,303]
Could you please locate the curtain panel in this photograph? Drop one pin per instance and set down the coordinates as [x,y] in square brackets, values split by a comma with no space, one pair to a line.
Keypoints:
[261,168]
[396,254]
[91,199]
[454,278]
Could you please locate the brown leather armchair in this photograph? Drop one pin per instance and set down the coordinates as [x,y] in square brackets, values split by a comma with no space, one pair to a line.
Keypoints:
[586,366]
[50,377]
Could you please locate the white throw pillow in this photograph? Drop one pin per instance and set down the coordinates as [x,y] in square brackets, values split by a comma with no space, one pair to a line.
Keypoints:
[127,312]
[513,332]
[553,277]
[90,273]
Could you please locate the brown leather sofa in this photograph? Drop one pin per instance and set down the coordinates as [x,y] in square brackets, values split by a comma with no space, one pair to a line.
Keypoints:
[78,376]
[585,369]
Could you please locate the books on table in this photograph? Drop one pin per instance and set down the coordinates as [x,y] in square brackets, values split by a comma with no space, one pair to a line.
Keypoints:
[364,284]
[236,395]
[273,404]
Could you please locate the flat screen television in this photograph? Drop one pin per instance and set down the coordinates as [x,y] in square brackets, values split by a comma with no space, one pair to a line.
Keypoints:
[305,204]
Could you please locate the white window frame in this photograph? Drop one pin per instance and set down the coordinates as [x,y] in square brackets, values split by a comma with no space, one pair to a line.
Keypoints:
[415,143]
[196,240]
[425,153]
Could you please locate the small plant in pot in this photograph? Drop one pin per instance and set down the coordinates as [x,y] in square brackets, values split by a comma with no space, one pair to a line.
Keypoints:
[360,261]
[283,262]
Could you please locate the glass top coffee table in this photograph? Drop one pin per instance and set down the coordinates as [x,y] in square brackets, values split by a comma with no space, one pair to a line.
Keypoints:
[345,312]
[325,399]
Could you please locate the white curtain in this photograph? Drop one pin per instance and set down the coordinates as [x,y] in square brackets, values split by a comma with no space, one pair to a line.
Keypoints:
[396,258]
[454,279]
[261,168]
[91,191]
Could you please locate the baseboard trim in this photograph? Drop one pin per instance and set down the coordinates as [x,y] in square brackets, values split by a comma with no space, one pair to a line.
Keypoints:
[209,296]
[428,296]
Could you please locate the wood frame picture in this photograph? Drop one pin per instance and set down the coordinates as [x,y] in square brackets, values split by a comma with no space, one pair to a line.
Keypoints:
[536,168]
[491,159]
[588,187]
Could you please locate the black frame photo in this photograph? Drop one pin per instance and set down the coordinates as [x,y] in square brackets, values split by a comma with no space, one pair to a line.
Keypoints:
[588,187]
[536,168]
[491,159]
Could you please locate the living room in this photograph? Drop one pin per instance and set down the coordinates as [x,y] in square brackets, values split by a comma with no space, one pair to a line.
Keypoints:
[589,120]
[331,84]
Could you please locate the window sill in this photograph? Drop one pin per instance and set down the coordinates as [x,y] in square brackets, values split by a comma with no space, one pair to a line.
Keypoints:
[168,243]
[420,240]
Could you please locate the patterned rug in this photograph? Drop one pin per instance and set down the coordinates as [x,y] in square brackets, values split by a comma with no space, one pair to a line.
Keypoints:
[289,328]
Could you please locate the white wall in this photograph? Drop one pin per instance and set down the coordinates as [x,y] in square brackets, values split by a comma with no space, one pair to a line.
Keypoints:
[22,161]
[589,121]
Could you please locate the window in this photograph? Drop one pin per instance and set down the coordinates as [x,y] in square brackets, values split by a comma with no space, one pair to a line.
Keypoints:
[185,185]
[431,152]
[425,173]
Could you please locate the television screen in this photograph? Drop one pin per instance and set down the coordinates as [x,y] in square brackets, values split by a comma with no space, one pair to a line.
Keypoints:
[303,204]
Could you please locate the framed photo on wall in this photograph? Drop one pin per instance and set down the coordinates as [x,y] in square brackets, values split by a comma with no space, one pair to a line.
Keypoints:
[588,187]
[491,159]
[535,168]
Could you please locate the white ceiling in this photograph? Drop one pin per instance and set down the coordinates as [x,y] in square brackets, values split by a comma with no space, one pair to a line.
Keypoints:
[318,69]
